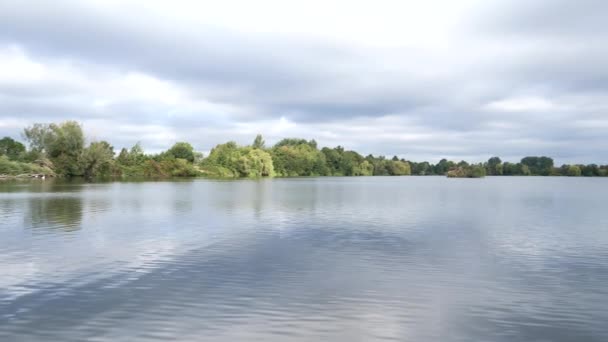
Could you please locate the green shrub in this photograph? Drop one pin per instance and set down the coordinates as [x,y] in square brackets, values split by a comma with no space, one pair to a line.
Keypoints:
[15,168]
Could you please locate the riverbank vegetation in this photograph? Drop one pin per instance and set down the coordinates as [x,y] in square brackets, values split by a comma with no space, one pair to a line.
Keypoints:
[469,171]
[61,150]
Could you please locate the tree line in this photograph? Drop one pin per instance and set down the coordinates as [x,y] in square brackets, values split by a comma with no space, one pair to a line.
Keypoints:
[61,150]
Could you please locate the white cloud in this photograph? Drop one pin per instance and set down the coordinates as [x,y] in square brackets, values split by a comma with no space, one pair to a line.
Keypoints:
[16,68]
[385,22]
[419,79]
[522,104]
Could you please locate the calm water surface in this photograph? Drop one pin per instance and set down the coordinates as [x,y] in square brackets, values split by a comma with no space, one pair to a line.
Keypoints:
[317,259]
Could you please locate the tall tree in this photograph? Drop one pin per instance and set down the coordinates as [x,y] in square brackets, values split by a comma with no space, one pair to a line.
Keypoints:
[62,143]
[298,157]
[541,166]
[259,142]
[574,171]
[97,159]
[494,167]
[11,148]
[182,150]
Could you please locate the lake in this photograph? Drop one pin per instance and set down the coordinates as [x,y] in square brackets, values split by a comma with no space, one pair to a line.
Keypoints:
[305,259]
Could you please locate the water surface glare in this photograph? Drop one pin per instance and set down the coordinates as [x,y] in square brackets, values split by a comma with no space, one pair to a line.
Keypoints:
[307,259]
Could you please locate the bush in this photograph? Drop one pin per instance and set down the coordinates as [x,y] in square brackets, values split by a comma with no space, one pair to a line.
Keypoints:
[469,171]
[215,171]
[574,171]
[15,168]
[234,161]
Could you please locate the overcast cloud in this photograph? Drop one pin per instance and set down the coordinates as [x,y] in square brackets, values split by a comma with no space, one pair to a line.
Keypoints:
[419,79]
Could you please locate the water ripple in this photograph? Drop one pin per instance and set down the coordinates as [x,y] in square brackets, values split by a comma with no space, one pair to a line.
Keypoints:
[335,259]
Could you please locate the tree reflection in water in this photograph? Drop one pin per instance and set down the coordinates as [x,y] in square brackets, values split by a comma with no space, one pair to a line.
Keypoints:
[62,212]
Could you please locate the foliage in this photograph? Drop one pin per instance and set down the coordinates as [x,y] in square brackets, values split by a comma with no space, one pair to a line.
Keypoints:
[333,160]
[296,142]
[467,171]
[494,167]
[443,167]
[351,164]
[574,171]
[297,157]
[230,159]
[515,169]
[591,170]
[36,136]
[98,160]
[215,171]
[259,142]
[134,156]
[182,150]
[224,156]
[12,149]
[15,168]
[365,169]
[399,168]
[538,165]
[60,149]
[255,163]
[171,167]
[62,143]
[425,168]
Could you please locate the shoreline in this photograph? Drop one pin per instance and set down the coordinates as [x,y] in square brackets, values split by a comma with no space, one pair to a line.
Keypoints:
[26,176]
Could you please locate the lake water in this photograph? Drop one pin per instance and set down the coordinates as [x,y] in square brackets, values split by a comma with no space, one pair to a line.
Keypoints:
[308,259]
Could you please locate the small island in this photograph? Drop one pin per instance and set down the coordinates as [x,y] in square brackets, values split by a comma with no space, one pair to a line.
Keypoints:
[471,171]
[59,150]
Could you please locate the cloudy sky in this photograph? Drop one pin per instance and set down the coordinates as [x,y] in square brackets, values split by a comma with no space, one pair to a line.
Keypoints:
[420,79]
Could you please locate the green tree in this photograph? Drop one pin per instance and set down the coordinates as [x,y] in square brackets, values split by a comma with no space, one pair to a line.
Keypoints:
[62,143]
[381,167]
[37,135]
[15,168]
[231,160]
[541,166]
[422,168]
[468,171]
[224,155]
[399,168]
[259,142]
[366,169]
[134,162]
[98,159]
[182,150]
[574,171]
[333,160]
[255,163]
[443,167]
[298,157]
[477,171]
[11,148]
[339,162]
[291,142]
[350,163]
[132,157]
[509,169]
[590,170]
[123,157]
[494,166]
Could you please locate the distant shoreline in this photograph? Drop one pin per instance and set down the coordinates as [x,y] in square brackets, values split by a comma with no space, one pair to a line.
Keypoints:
[60,150]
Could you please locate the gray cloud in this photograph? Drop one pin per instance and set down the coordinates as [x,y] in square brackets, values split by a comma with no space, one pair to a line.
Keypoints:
[513,79]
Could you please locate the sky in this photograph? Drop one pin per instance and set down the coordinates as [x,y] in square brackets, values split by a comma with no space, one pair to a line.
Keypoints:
[422,80]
